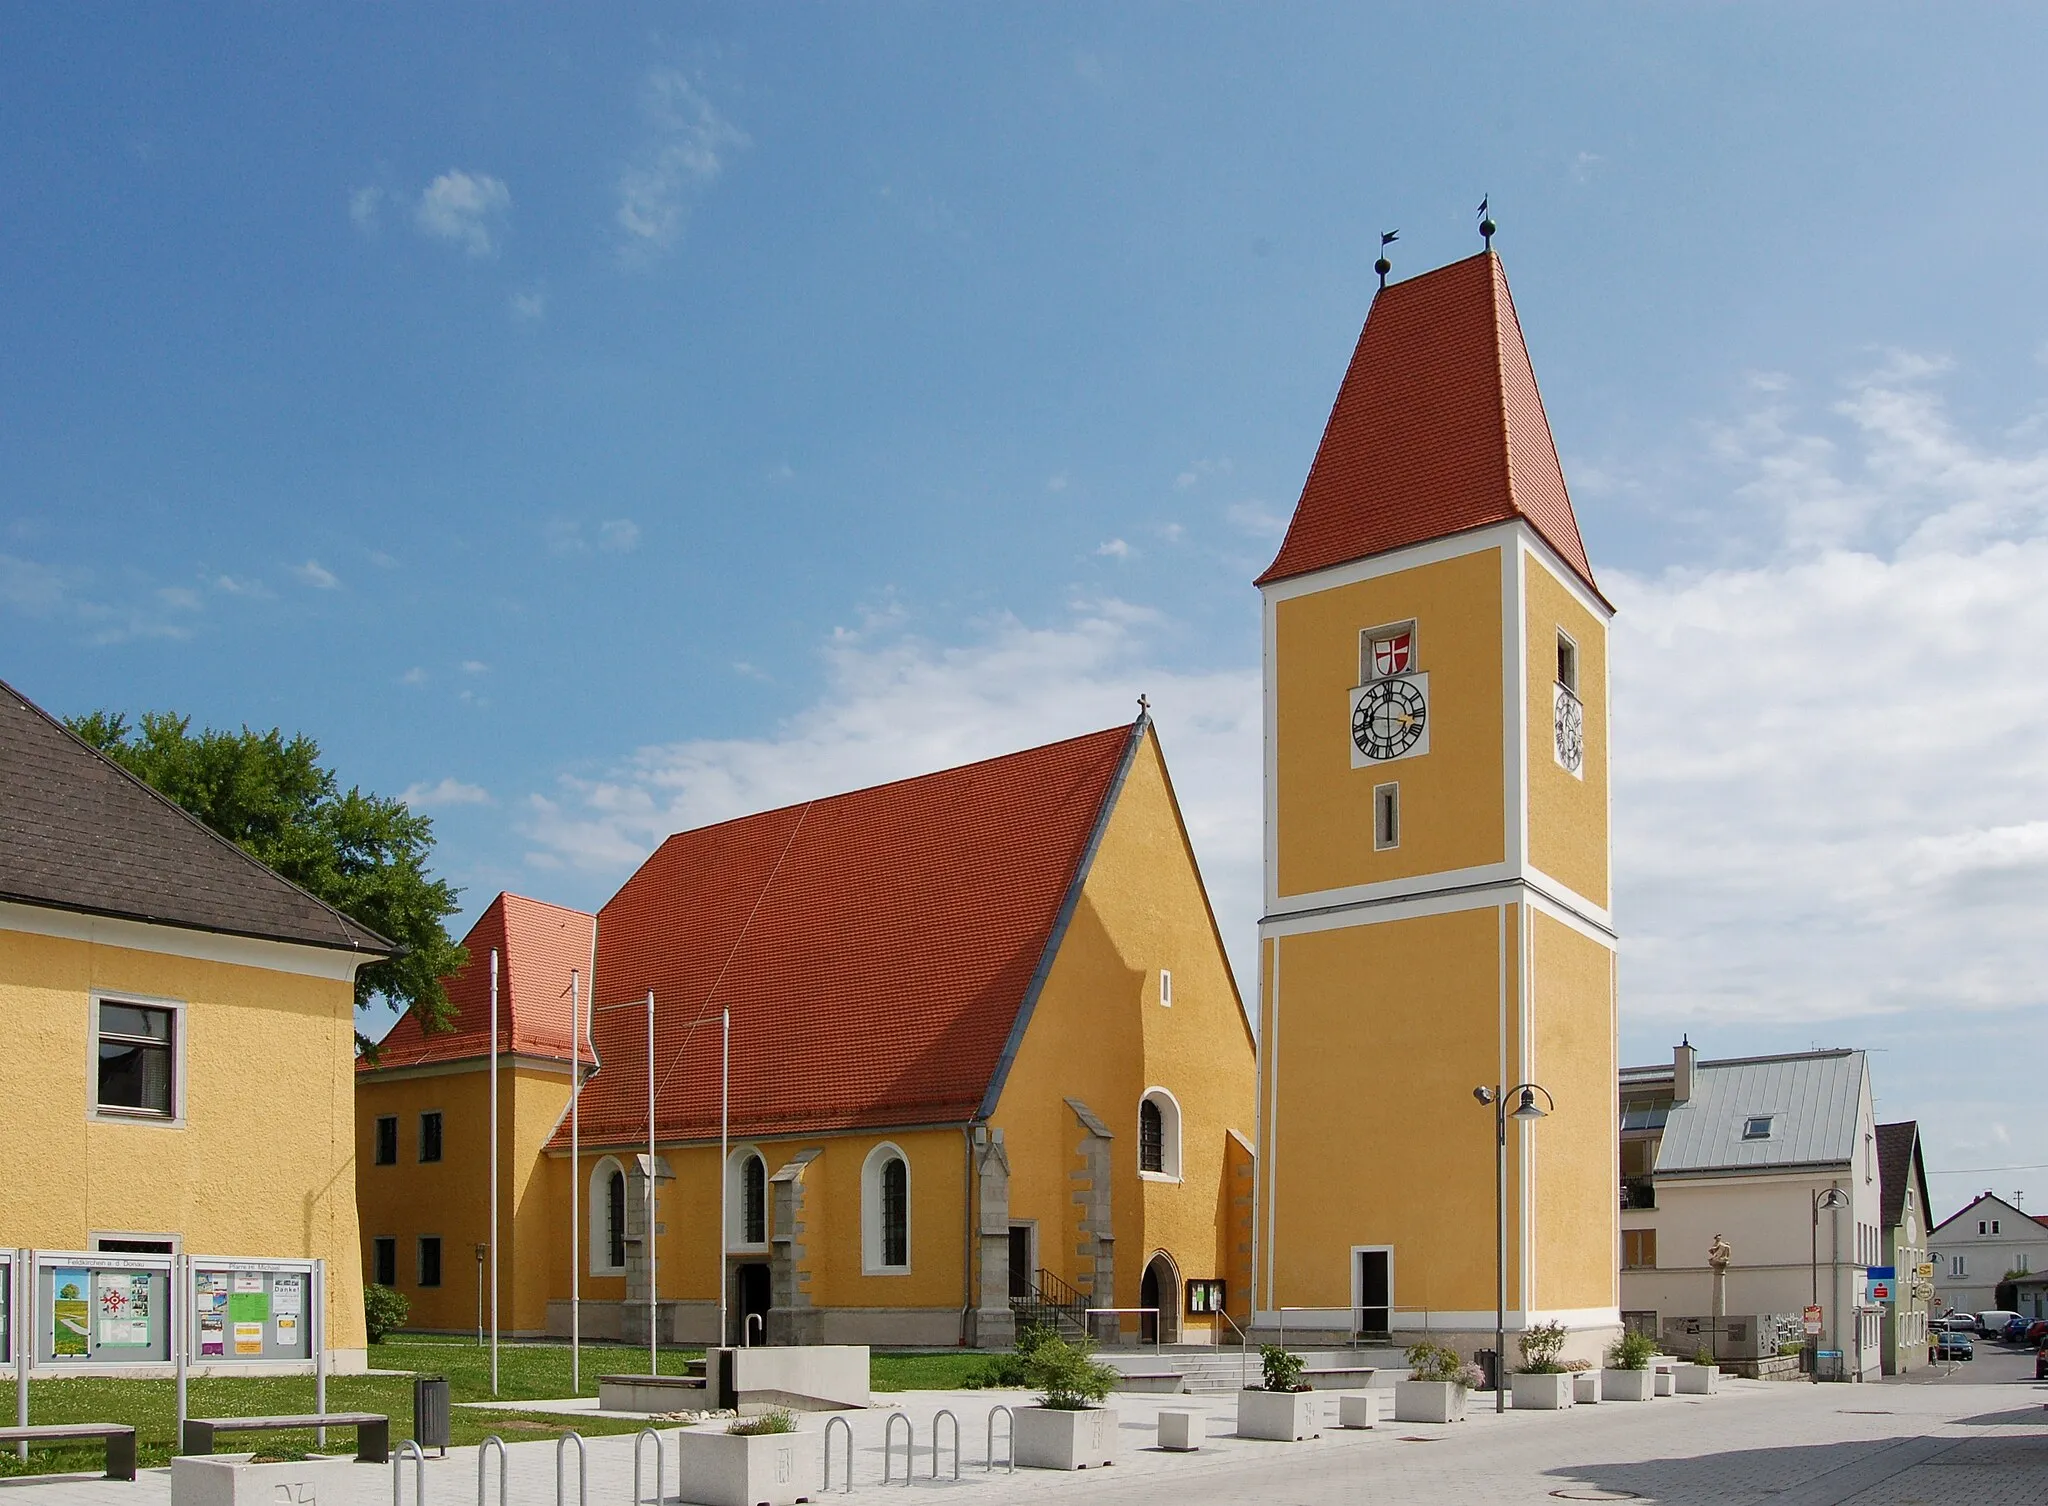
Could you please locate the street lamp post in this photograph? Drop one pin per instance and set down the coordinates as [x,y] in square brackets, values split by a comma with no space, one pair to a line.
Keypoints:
[1526,1112]
[1834,1200]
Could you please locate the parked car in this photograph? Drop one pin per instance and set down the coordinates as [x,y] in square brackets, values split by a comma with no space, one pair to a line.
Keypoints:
[2037,1332]
[1991,1324]
[2041,1363]
[2015,1329]
[1953,1344]
[1959,1322]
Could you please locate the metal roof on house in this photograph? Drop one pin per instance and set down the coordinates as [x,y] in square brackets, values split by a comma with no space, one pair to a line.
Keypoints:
[1813,1099]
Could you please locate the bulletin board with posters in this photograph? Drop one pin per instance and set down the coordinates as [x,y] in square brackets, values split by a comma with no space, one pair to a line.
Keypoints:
[100,1309]
[251,1312]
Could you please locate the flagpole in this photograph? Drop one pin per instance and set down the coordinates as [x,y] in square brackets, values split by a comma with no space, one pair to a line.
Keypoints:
[653,1284]
[575,1175]
[724,1163]
[494,1171]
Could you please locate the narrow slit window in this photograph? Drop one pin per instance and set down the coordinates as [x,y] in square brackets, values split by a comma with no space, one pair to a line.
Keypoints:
[1166,988]
[430,1136]
[1567,664]
[430,1260]
[1386,816]
[387,1142]
[754,1201]
[386,1249]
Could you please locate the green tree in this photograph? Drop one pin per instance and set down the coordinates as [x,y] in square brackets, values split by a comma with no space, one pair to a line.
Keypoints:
[364,854]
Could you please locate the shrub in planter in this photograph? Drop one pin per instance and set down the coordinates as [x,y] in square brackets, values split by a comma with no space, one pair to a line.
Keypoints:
[1437,1383]
[384,1311]
[1542,1384]
[1284,1409]
[1628,1376]
[1069,1428]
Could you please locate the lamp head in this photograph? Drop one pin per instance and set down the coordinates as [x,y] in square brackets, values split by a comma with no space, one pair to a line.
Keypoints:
[1527,1111]
[1484,1095]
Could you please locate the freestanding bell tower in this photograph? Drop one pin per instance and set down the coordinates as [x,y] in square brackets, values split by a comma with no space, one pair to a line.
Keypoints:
[1437,852]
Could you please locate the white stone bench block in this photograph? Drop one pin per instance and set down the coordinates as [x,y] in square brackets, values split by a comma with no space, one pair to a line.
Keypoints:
[1182,1432]
[1362,1409]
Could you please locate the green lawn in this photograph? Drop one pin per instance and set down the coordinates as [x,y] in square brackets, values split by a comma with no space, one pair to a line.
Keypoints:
[526,1372]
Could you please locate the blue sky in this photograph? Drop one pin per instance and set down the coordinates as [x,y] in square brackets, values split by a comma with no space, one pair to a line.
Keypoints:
[596,421]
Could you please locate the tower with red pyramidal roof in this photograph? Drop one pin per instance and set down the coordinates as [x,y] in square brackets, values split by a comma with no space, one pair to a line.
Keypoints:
[1437,854]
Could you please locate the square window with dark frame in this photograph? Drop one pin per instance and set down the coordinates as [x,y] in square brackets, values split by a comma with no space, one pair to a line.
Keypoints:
[387,1140]
[137,1049]
[1757,1127]
[1386,816]
[430,1136]
[384,1260]
[430,1260]
[1567,663]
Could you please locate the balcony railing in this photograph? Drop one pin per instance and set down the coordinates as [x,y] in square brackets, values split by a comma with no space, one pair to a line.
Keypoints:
[1638,1192]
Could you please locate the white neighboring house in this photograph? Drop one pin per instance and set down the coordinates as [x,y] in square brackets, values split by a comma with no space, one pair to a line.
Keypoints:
[1743,1149]
[1973,1249]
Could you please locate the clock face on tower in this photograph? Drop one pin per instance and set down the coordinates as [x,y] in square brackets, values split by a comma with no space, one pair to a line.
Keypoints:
[1568,722]
[1389,719]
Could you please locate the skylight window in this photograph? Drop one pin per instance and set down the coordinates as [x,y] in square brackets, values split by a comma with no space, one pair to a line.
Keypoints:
[1757,1127]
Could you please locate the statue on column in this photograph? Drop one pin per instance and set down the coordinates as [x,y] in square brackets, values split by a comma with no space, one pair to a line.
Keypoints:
[1719,1257]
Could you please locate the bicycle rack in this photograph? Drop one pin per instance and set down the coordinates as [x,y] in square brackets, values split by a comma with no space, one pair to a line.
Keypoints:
[988,1459]
[889,1446]
[582,1467]
[419,1473]
[839,1422]
[640,1438]
[483,1452]
[945,1414]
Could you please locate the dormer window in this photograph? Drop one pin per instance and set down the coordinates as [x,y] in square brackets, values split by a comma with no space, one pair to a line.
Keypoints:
[1757,1127]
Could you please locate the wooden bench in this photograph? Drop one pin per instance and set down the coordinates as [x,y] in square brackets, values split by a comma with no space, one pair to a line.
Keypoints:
[119,1436]
[373,1431]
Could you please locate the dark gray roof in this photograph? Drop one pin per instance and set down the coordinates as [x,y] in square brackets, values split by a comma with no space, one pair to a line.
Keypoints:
[78,832]
[1813,1099]
[1899,1166]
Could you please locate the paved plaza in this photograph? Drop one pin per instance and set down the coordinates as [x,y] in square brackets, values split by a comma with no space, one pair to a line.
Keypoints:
[1979,1437]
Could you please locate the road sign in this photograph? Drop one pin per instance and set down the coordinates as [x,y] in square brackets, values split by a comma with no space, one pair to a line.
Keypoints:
[1924,1270]
[1813,1322]
[1880,1291]
[1881,1273]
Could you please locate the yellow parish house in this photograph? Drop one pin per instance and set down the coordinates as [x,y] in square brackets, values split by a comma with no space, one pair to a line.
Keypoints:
[986,1058]
[177,1037]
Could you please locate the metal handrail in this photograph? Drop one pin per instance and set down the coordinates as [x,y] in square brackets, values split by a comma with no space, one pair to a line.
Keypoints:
[747,1330]
[1244,1347]
[582,1467]
[639,1438]
[889,1445]
[419,1473]
[842,1422]
[1353,1332]
[483,1452]
[945,1414]
[1158,1325]
[988,1458]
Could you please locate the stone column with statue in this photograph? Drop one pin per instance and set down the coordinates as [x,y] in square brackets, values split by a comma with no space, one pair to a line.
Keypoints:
[1719,1256]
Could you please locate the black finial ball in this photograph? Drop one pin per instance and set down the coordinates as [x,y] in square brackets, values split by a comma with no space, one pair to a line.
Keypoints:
[1383,266]
[1487,227]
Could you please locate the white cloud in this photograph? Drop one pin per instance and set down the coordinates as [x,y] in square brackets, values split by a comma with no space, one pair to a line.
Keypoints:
[443,793]
[179,598]
[382,560]
[35,589]
[316,575]
[1056,482]
[464,209]
[1200,471]
[897,704]
[529,305]
[231,585]
[413,676]
[475,667]
[365,206]
[30,587]
[618,535]
[1255,518]
[614,536]
[1115,549]
[685,154]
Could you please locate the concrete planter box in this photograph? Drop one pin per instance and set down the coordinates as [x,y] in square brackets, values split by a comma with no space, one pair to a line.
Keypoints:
[1585,1387]
[1627,1385]
[1050,1438]
[231,1480]
[1540,1393]
[1429,1401]
[1283,1416]
[1698,1380]
[768,1469]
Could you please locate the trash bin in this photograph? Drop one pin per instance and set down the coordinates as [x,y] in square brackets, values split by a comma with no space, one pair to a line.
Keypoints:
[430,1411]
[1488,1361]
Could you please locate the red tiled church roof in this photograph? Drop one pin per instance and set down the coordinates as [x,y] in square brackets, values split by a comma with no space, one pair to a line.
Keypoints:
[876,948]
[1438,428]
[537,945]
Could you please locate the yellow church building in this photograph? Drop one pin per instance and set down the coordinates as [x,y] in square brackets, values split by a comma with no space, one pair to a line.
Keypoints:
[986,1059]
[1437,910]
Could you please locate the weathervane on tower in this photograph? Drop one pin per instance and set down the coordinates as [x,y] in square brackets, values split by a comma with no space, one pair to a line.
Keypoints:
[1486,224]
[1383,266]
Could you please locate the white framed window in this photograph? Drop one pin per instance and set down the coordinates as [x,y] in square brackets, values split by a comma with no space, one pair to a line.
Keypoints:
[1870,1158]
[1757,1126]
[607,1218]
[1958,1266]
[885,1212]
[746,1199]
[1994,1226]
[138,1059]
[1386,817]
[1567,662]
[1165,988]
[1159,1136]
